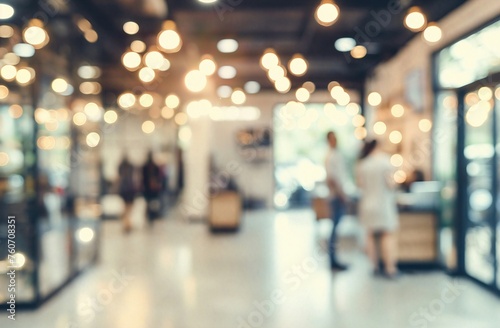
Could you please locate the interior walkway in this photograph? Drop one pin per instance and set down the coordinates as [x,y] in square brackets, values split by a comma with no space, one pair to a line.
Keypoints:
[272,274]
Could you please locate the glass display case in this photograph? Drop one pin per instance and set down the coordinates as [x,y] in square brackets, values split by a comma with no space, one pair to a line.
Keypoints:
[17,194]
[50,183]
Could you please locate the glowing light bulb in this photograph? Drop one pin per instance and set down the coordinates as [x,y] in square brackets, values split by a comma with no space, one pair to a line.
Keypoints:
[327,13]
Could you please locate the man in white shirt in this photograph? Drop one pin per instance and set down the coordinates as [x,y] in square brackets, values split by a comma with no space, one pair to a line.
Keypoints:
[335,179]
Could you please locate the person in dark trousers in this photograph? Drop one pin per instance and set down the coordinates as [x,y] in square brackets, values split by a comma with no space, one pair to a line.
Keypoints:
[127,190]
[152,185]
[335,176]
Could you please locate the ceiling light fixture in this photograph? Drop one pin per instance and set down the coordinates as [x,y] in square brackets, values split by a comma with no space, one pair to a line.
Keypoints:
[8,73]
[172,101]
[374,99]
[6,31]
[327,13]
[227,72]
[283,85]
[147,74]
[309,86]
[358,52]
[154,59]
[87,72]
[131,60]
[6,11]
[227,46]
[238,97]
[432,33]
[24,50]
[415,20]
[138,46]
[126,100]
[131,28]
[298,65]
[345,44]
[168,39]
[195,81]
[35,34]
[224,91]
[269,59]
[302,94]
[276,72]
[207,65]
[252,87]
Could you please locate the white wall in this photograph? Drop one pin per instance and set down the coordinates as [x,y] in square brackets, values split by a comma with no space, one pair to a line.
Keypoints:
[255,179]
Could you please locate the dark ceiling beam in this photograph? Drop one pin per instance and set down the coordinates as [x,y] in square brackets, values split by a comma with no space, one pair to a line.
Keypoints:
[111,40]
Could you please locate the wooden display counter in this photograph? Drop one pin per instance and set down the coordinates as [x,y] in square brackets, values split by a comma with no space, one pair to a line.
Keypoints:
[225,211]
[417,238]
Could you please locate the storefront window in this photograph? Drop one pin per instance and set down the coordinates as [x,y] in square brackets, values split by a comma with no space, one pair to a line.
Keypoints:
[479,153]
[301,146]
[470,59]
[466,69]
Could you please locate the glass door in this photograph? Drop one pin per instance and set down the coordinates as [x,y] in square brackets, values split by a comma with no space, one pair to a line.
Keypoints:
[496,223]
[481,189]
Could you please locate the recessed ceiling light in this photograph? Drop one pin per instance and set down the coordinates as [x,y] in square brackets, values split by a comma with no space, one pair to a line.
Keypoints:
[433,33]
[283,85]
[345,44]
[358,52]
[89,72]
[227,46]
[374,99]
[309,86]
[24,50]
[6,11]
[195,81]
[298,65]
[169,39]
[224,91]
[227,72]
[252,87]
[415,20]
[238,97]
[138,46]
[207,1]
[207,65]
[6,31]
[327,13]
[131,28]
[269,59]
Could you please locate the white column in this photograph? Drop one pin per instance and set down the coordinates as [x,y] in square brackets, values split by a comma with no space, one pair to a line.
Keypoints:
[195,198]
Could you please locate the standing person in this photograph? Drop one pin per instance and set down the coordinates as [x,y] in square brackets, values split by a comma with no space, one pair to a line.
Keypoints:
[127,190]
[377,208]
[335,177]
[152,184]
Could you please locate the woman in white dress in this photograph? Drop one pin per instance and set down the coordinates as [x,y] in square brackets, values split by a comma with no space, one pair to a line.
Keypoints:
[377,209]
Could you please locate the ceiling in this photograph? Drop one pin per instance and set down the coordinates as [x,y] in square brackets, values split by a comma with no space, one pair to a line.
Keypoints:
[288,26]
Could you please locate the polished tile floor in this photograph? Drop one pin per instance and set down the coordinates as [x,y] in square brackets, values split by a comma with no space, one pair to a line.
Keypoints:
[272,274]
